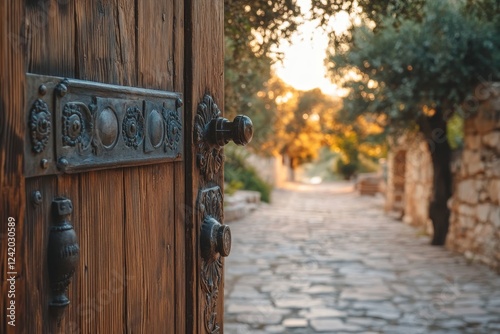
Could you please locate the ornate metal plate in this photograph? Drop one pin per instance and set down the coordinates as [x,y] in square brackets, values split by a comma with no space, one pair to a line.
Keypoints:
[76,126]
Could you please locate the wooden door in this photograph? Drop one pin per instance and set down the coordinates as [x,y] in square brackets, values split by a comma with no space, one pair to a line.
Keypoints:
[79,148]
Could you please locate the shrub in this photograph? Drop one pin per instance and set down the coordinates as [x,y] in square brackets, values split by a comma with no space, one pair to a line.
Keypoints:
[238,174]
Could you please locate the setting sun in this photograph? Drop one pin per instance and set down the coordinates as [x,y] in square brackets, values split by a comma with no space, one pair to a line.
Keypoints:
[303,63]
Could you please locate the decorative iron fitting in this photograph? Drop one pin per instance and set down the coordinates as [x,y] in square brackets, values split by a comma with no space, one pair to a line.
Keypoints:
[62,255]
[76,126]
[212,132]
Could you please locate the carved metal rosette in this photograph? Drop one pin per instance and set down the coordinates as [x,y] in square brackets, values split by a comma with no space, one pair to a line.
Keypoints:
[133,127]
[40,124]
[173,129]
[211,209]
[210,157]
[62,255]
[77,125]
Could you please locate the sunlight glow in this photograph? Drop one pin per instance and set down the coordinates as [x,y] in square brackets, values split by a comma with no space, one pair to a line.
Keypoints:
[303,64]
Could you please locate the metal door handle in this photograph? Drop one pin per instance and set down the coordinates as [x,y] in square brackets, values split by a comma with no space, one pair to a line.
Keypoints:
[215,238]
[62,255]
[220,130]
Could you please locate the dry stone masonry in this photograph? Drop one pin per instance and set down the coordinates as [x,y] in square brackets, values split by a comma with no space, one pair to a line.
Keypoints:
[475,206]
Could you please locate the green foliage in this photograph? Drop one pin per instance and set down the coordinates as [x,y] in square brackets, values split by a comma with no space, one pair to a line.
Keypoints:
[302,127]
[370,12]
[406,71]
[456,131]
[347,169]
[256,26]
[247,74]
[238,174]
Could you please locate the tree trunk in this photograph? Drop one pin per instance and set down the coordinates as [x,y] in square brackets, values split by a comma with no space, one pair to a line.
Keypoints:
[292,169]
[435,130]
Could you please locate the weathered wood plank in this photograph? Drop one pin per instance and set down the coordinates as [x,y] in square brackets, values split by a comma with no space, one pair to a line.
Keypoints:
[160,64]
[155,44]
[179,177]
[180,247]
[12,192]
[38,221]
[105,47]
[150,252]
[204,68]
[106,52]
[51,37]
[102,278]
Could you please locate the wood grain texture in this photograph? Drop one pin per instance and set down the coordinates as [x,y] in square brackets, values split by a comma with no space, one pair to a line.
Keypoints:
[105,45]
[102,278]
[51,37]
[12,192]
[180,176]
[37,229]
[105,41]
[130,222]
[204,73]
[150,242]
[180,247]
[155,45]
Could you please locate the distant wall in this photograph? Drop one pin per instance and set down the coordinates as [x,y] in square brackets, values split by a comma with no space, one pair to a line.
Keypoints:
[409,181]
[418,184]
[475,206]
[274,170]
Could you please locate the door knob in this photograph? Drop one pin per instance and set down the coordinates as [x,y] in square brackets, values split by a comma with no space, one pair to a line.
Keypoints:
[221,130]
[215,238]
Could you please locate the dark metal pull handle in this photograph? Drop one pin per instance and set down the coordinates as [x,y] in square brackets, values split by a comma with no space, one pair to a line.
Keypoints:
[215,238]
[221,130]
[63,254]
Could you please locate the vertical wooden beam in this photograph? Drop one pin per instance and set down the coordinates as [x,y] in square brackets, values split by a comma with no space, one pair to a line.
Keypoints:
[105,41]
[204,74]
[51,37]
[12,127]
[179,174]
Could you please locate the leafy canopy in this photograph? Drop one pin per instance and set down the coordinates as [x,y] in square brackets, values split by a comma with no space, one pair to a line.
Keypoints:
[407,70]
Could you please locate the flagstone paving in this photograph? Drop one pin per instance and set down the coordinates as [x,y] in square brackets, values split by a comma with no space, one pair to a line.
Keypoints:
[323,259]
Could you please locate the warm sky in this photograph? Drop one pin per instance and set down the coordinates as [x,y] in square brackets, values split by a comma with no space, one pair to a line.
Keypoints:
[303,65]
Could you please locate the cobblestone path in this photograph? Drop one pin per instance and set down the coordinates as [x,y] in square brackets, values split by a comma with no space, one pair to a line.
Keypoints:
[322,259]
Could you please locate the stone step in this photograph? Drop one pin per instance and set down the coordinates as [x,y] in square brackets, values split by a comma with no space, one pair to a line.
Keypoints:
[240,204]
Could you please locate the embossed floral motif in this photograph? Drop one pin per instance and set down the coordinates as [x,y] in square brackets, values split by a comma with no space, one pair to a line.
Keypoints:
[173,129]
[77,125]
[40,125]
[133,127]
[211,274]
[211,204]
[209,157]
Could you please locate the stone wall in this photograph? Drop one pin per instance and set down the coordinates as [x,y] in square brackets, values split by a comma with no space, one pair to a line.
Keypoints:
[475,205]
[409,181]
[274,170]
[418,185]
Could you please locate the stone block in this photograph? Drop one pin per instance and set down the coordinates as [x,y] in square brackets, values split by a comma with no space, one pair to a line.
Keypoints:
[466,210]
[466,192]
[466,222]
[483,196]
[473,163]
[483,212]
[494,170]
[488,117]
[495,216]
[470,126]
[472,142]
[494,191]
[492,140]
